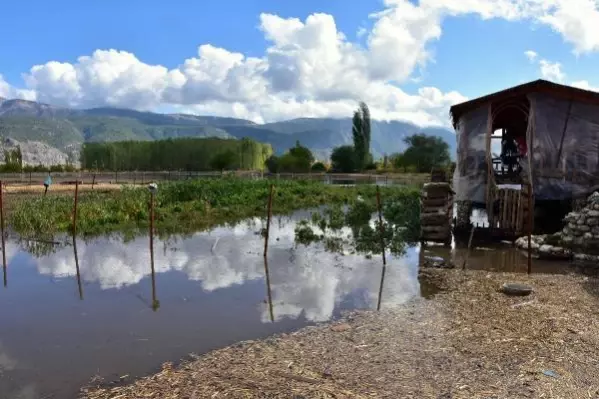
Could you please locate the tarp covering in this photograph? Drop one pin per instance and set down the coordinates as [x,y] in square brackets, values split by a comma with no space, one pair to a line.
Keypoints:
[573,127]
[470,176]
[565,148]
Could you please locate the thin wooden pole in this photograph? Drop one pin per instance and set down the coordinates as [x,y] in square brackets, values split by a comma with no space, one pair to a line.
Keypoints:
[530,222]
[381,228]
[268,290]
[75,207]
[2,232]
[155,303]
[93,180]
[382,232]
[465,264]
[378,305]
[79,285]
[268,220]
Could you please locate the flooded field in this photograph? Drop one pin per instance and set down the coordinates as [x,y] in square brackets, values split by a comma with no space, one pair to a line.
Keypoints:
[73,313]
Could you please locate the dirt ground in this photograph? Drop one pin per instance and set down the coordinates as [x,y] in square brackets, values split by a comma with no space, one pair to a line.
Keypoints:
[470,341]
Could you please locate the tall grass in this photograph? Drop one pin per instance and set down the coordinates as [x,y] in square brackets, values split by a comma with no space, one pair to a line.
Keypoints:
[187,205]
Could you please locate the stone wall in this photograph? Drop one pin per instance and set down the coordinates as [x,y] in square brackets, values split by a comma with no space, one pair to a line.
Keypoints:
[578,240]
[582,228]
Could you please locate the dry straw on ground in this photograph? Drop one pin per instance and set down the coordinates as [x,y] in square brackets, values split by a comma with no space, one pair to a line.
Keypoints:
[469,342]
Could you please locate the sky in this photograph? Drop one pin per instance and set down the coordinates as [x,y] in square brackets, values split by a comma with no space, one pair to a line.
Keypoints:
[271,60]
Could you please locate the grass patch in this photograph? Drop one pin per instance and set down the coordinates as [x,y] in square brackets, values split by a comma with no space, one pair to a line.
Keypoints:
[187,206]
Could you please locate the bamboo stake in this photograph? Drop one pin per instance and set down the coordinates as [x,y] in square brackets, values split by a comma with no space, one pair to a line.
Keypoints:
[2,232]
[75,208]
[381,229]
[268,290]
[155,303]
[77,268]
[268,221]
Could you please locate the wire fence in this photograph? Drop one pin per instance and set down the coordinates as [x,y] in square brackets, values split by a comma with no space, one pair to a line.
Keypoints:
[145,177]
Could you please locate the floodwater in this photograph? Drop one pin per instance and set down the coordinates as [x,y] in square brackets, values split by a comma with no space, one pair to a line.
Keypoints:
[213,290]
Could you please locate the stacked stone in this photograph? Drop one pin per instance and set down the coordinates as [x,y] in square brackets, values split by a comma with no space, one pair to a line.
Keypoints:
[436,205]
[582,229]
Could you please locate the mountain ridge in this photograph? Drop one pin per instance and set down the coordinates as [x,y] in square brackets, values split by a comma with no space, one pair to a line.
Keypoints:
[66,128]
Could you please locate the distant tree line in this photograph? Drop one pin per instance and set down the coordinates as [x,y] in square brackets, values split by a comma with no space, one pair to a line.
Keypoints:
[197,154]
[421,155]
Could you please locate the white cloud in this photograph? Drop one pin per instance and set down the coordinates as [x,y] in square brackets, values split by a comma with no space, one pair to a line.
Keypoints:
[309,68]
[551,71]
[583,84]
[313,283]
[531,55]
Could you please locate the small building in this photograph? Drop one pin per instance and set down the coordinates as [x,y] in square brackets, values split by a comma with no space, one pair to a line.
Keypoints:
[539,136]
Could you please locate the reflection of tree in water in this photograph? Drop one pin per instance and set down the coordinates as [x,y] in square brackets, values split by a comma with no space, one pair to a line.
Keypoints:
[41,247]
[355,230]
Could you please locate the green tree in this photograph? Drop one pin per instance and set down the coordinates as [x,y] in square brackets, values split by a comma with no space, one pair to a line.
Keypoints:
[426,152]
[343,159]
[223,161]
[319,167]
[361,133]
[272,164]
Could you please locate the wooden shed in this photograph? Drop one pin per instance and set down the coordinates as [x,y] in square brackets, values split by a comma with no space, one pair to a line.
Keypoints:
[537,141]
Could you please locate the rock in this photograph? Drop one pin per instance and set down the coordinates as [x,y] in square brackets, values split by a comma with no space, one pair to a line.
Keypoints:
[516,289]
[592,221]
[587,236]
[596,207]
[341,327]
[593,213]
[581,220]
[584,228]
[567,239]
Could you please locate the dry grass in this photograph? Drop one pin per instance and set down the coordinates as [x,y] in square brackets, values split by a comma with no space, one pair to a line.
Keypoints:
[469,342]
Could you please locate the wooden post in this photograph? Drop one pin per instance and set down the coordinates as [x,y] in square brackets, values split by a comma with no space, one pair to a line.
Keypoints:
[268,291]
[268,220]
[93,180]
[381,229]
[530,222]
[75,207]
[79,285]
[2,232]
[465,264]
[155,303]
[30,178]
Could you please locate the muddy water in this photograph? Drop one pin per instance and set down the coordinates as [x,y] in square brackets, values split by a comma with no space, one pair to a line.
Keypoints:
[212,292]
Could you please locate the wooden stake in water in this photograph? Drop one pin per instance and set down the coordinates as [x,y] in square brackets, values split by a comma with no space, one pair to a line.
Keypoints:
[2,232]
[75,207]
[93,180]
[79,285]
[267,234]
[382,232]
[155,303]
[381,228]
[268,290]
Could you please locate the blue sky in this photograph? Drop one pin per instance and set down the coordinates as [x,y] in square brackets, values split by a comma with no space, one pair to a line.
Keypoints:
[430,53]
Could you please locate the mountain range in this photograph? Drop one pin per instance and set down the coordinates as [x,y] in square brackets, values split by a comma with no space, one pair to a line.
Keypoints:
[43,129]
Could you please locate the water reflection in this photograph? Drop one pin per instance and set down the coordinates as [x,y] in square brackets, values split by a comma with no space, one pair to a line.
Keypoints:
[216,288]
